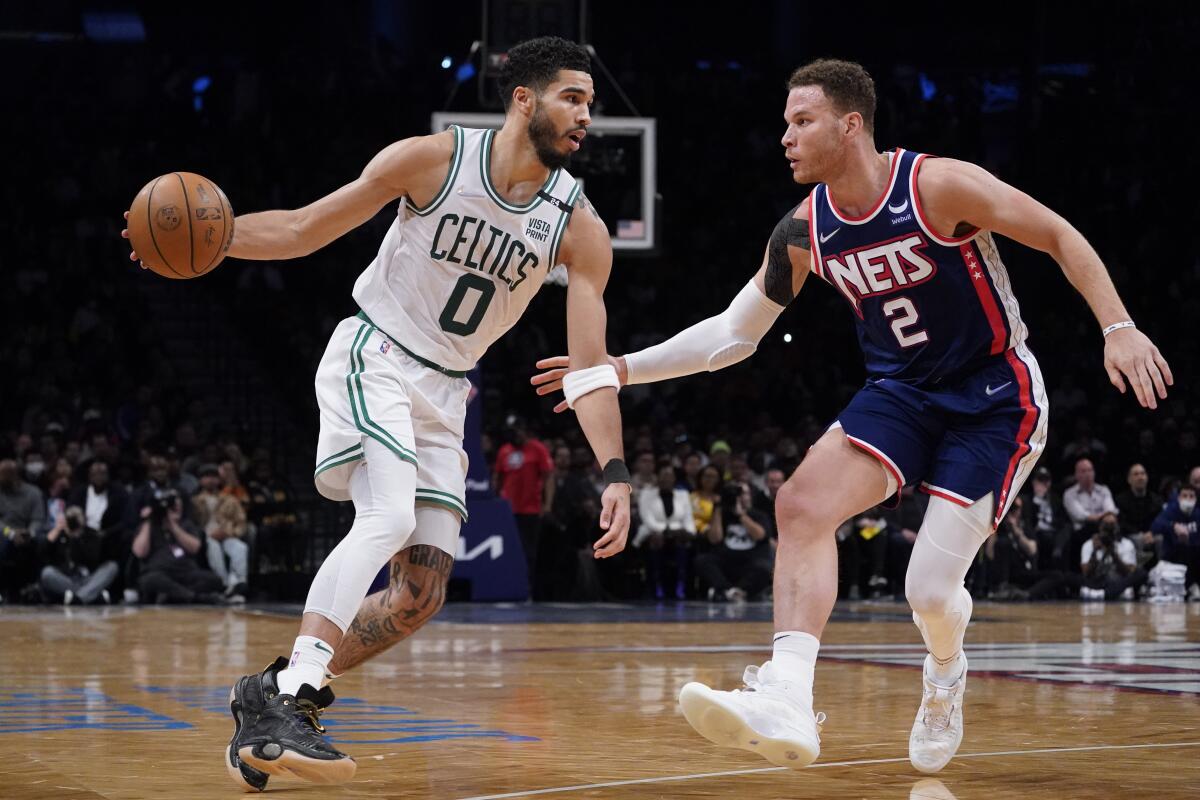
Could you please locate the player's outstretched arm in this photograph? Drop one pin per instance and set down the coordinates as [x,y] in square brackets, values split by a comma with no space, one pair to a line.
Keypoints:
[395,171]
[591,385]
[722,340]
[953,192]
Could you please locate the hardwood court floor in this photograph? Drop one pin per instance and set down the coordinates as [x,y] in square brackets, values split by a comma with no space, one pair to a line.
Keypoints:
[1064,701]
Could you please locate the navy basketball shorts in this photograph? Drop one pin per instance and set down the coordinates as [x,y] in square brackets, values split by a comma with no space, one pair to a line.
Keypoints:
[958,439]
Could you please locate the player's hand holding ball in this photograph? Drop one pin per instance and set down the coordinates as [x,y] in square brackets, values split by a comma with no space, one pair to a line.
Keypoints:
[180,225]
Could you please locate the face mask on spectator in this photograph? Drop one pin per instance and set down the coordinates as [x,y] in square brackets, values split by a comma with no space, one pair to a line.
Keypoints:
[1186,506]
[34,469]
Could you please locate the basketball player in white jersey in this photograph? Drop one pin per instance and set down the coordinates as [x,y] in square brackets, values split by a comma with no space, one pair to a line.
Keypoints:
[954,399]
[482,217]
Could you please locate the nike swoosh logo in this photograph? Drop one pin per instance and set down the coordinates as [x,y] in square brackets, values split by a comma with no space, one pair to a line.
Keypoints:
[829,235]
[990,391]
[900,209]
[325,649]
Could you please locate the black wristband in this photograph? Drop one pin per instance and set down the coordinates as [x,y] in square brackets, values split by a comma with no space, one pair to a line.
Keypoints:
[615,471]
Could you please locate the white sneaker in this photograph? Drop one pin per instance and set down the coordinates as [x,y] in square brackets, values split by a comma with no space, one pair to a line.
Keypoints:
[1194,592]
[938,729]
[766,717]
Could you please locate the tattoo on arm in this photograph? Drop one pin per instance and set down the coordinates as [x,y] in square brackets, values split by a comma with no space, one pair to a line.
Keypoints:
[778,277]
[582,202]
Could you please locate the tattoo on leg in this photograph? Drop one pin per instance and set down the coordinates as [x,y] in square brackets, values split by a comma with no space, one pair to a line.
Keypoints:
[415,592]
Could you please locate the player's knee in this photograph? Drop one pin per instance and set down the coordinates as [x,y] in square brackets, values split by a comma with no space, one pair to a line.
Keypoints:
[928,598]
[800,511]
[397,523]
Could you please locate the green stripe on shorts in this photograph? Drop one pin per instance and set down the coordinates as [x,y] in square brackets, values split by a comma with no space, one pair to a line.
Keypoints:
[354,389]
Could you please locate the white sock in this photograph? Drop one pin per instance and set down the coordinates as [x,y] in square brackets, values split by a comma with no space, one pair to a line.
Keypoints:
[309,664]
[795,656]
[947,672]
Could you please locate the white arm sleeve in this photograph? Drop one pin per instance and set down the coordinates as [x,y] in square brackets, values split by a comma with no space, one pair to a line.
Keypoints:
[712,344]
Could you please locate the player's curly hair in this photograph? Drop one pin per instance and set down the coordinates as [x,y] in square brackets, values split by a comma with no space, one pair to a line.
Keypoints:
[535,63]
[847,85]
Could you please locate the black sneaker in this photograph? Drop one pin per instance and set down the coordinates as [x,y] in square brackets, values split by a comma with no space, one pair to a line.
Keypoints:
[286,737]
[246,701]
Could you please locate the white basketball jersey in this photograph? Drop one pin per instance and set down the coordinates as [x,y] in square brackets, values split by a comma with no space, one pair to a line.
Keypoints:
[452,277]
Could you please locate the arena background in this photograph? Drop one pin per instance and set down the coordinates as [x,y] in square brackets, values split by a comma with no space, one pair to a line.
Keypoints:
[1092,113]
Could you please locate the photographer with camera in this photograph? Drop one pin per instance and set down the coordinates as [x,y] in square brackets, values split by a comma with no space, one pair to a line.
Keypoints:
[165,544]
[1109,563]
[74,568]
[739,565]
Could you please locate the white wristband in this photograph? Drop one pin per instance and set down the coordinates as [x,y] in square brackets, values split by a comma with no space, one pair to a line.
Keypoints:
[1116,326]
[585,381]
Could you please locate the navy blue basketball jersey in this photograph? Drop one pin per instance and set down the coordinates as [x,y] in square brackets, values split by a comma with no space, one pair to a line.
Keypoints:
[928,308]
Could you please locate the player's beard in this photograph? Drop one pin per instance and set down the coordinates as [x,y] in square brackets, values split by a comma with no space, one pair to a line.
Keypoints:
[545,140]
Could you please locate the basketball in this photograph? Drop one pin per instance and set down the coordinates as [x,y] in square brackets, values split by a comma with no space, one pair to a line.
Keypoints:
[180,225]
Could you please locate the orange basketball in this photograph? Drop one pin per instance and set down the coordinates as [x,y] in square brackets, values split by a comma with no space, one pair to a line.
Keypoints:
[180,225]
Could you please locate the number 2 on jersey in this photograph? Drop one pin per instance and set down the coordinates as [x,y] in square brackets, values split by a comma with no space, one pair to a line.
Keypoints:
[450,314]
[906,316]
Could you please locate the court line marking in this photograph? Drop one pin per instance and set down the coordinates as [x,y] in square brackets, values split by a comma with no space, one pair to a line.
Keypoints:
[856,763]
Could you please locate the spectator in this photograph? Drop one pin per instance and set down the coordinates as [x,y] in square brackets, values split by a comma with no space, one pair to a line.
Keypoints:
[739,565]
[1108,561]
[105,506]
[231,482]
[1046,521]
[1086,502]
[1139,507]
[74,565]
[34,468]
[523,472]
[644,475]
[272,513]
[774,480]
[1194,479]
[666,515]
[165,544]
[1179,527]
[1012,554]
[22,514]
[862,542]
[56,503]
[706,500]
[223,521]
[692,463]
[719,455]
[185,482]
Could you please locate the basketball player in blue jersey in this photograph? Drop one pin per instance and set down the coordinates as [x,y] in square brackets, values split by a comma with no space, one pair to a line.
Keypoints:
[954,399]
[480,217]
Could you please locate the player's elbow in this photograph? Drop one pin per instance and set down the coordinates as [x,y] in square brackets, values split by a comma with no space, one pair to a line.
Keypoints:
[301,233]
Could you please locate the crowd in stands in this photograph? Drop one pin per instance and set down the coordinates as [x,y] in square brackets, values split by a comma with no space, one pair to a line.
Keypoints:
[704,527]
[184,529]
